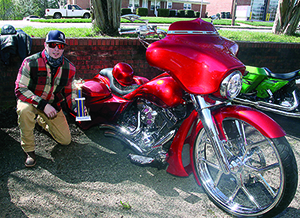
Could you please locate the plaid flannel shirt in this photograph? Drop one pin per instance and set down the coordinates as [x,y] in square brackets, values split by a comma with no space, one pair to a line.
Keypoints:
[36,85]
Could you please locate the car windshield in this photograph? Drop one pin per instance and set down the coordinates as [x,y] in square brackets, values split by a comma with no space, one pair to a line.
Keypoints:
[74,7]
[77,7]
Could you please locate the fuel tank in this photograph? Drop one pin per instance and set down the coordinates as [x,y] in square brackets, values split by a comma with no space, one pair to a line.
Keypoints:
[164,91]
[195,55]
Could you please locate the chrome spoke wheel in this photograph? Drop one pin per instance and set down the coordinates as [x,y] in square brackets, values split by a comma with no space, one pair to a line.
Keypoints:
[257,182]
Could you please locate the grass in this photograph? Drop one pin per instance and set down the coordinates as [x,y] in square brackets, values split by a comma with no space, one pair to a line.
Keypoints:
[72,32]
[258,36]
[257,23]
[233,35]
[125,206]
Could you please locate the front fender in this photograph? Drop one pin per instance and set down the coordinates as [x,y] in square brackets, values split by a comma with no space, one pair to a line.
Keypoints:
[263,123]
[189,129]
[184,138]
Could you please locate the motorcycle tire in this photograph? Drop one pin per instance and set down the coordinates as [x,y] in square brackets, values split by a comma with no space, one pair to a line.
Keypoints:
[263,173]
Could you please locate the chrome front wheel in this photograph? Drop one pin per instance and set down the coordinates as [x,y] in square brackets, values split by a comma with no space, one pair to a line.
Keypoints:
[263,172]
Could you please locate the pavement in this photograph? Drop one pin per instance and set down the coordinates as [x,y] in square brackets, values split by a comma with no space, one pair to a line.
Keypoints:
[93,178]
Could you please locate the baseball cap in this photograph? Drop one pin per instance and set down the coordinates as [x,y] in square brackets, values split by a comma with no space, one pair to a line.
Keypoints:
[56,36]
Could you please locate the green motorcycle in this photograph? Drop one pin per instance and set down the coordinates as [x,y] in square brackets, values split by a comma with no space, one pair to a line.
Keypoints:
[273,92]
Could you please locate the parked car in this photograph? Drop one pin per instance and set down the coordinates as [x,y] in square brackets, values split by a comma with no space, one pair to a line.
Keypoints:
[31,17]
[67,11]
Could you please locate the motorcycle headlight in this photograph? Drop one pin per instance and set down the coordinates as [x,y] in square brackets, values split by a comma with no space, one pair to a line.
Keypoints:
[231,85]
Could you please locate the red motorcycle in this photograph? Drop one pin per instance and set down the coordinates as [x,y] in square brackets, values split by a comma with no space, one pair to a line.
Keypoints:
[183,119]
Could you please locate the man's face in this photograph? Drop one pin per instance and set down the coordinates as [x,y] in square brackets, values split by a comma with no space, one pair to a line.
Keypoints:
[54,49]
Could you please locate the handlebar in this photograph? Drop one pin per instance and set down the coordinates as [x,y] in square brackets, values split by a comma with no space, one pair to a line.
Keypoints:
[143,30]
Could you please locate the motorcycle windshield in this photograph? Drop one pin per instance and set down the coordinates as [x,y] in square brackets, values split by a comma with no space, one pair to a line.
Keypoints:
[195,56]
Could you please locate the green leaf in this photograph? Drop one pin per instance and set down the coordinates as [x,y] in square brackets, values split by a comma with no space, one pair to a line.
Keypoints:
[126,206]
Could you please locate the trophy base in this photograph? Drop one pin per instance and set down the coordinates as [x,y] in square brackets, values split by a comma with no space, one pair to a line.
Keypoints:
[85,118]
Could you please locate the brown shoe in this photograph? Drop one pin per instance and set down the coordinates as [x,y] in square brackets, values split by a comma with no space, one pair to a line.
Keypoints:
[30,159]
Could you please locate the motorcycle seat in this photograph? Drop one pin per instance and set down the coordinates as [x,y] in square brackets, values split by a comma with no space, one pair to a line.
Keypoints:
[285,76]
[115,86]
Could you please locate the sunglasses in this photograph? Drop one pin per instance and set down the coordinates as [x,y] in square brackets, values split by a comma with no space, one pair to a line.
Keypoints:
[54,44]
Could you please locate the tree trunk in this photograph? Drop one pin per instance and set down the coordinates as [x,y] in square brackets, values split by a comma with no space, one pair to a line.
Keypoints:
[287,17]
[106,16]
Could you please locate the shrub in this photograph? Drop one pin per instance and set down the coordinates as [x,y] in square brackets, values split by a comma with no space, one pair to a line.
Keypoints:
[162,12]
[172,13]
[223,15]
[227,15]
[190,13]
[181,13]
[125,11]
[142,11]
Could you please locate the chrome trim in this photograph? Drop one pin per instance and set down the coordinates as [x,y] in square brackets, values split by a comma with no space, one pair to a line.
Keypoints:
[165,139]
[121,137]
[138,128]
[207,120]
[224,88]
[192,32]
[126,136]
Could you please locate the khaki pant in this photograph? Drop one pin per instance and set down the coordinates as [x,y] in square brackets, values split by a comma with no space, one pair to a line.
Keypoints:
[58,127]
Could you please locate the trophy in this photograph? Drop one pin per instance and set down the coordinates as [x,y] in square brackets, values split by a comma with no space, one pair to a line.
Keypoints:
[81,116]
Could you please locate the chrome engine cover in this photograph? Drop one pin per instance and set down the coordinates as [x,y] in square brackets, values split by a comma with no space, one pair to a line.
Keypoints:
[146,128]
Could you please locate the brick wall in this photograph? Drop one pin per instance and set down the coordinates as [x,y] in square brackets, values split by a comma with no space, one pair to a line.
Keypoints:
[217,6]
[125,3]
[84,4]
[90,55]
[278,57]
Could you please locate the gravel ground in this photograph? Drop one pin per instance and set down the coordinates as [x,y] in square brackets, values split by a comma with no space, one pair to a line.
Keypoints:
[93,178]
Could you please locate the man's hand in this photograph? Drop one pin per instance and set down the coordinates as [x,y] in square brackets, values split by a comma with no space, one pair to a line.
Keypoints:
[50,111]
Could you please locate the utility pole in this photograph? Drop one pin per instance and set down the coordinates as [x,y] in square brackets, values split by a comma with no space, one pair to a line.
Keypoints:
[201,9]
[233,12]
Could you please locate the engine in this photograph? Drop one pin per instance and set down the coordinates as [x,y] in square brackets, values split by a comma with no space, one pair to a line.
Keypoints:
[148,126]
[147,129]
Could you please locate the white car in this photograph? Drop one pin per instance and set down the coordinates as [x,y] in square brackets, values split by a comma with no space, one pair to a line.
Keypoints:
[31,17]
[68,11]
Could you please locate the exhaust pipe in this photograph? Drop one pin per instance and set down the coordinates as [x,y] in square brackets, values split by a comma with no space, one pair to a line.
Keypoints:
[126,136]
[275,108]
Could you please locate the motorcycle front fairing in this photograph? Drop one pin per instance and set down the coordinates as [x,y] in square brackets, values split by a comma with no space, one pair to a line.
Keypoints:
[195,56]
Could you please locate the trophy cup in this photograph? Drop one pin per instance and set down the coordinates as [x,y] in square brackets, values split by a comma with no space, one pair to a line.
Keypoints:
[81,116]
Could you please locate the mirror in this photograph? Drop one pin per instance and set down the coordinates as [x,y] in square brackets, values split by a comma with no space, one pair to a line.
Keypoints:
[133,17]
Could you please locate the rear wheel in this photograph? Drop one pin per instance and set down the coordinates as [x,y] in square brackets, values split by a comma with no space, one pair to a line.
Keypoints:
[86,16]
[57,16]
[263,172]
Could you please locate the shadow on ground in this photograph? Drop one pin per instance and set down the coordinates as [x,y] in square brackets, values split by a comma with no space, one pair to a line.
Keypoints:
[92,176]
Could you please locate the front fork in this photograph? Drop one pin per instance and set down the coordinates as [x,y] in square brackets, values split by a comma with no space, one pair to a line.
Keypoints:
[204,112]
